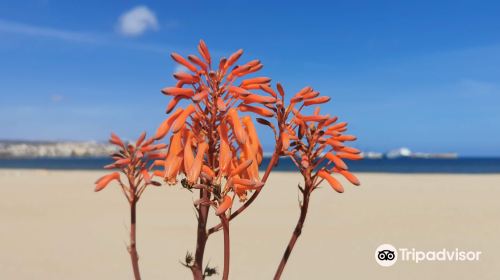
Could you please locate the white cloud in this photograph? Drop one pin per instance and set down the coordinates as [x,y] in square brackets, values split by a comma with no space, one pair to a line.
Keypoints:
[137,21]
[37,31]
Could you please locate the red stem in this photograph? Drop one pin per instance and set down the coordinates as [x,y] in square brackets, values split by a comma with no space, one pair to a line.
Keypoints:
[295,235]
[201,239]
[132,247]
[227,250]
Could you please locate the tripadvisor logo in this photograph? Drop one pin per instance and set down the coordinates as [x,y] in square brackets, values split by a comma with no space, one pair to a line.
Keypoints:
[387,255]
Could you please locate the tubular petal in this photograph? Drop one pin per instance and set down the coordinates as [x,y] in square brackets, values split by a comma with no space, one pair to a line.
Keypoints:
[334,143]
[346,138]
[317,100]
[183,61]
[188,154]
[310,95]
[350,150]
[285,140]
[225,150]
[166,124]
[205,169]
[336,185]
[233,58]
[349,156]
[254,98]
[239,91]
[140,139]
[102,182]
[241,167]
[196,60]
[174,91]
[313,118]
[268,90]
[172,169]
[171,105]
[338,126]
[195,170]
[304,90]
[258,80]
[237,128]
[350,177]
[122,161]
[336,160]
[202,48]
[186,78]
[114,139]
[260,111]
[146,176]
[181,120]
[227,202]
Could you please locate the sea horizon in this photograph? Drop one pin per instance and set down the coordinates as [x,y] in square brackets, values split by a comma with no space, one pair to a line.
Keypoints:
[460,165]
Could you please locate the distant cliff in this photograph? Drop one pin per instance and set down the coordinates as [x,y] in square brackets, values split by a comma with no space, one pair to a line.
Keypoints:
[37,149]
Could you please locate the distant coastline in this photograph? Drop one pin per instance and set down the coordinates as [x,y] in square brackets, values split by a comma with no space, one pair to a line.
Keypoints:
[55,149]
[14,149]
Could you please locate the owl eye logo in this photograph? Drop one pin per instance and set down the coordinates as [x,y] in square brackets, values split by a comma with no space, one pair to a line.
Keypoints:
[386,255]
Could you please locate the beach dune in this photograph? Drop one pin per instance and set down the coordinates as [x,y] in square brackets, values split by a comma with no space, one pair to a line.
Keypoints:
[55,227]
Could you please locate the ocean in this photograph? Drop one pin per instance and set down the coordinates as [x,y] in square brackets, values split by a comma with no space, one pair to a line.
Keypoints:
[401,165]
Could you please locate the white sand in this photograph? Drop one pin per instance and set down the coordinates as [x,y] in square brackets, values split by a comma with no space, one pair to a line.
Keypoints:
[55,227]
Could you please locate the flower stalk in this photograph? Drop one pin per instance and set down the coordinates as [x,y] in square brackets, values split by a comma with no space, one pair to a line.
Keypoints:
[134,162]
[315,144]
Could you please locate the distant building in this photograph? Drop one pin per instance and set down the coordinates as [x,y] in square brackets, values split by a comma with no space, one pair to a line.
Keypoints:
[398,153]
[407,153]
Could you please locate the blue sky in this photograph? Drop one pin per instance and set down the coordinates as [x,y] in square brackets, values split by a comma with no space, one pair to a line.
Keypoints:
[421,74]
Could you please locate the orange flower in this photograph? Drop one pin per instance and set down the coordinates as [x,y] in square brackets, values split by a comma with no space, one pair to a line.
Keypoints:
[103,182]
[171,105]
[196,60]
[318,100]
[226,203]
[260,111]
[254,98]
[194,172]
[225,153]
[241,167]
[202,48]
[186,78]
[336,160]
[233,58]
[166,124]
[181,119]
[349,156]
[175,91]
[237,128]
[259,80]
[184,62]
[332,181]
[350,177]
[188,153]
[134,161]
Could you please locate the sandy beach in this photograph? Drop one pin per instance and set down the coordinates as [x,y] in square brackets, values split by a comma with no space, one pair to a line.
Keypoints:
[55,227]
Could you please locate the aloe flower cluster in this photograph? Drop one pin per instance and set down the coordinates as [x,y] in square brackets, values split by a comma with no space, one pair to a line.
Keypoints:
[212,148]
